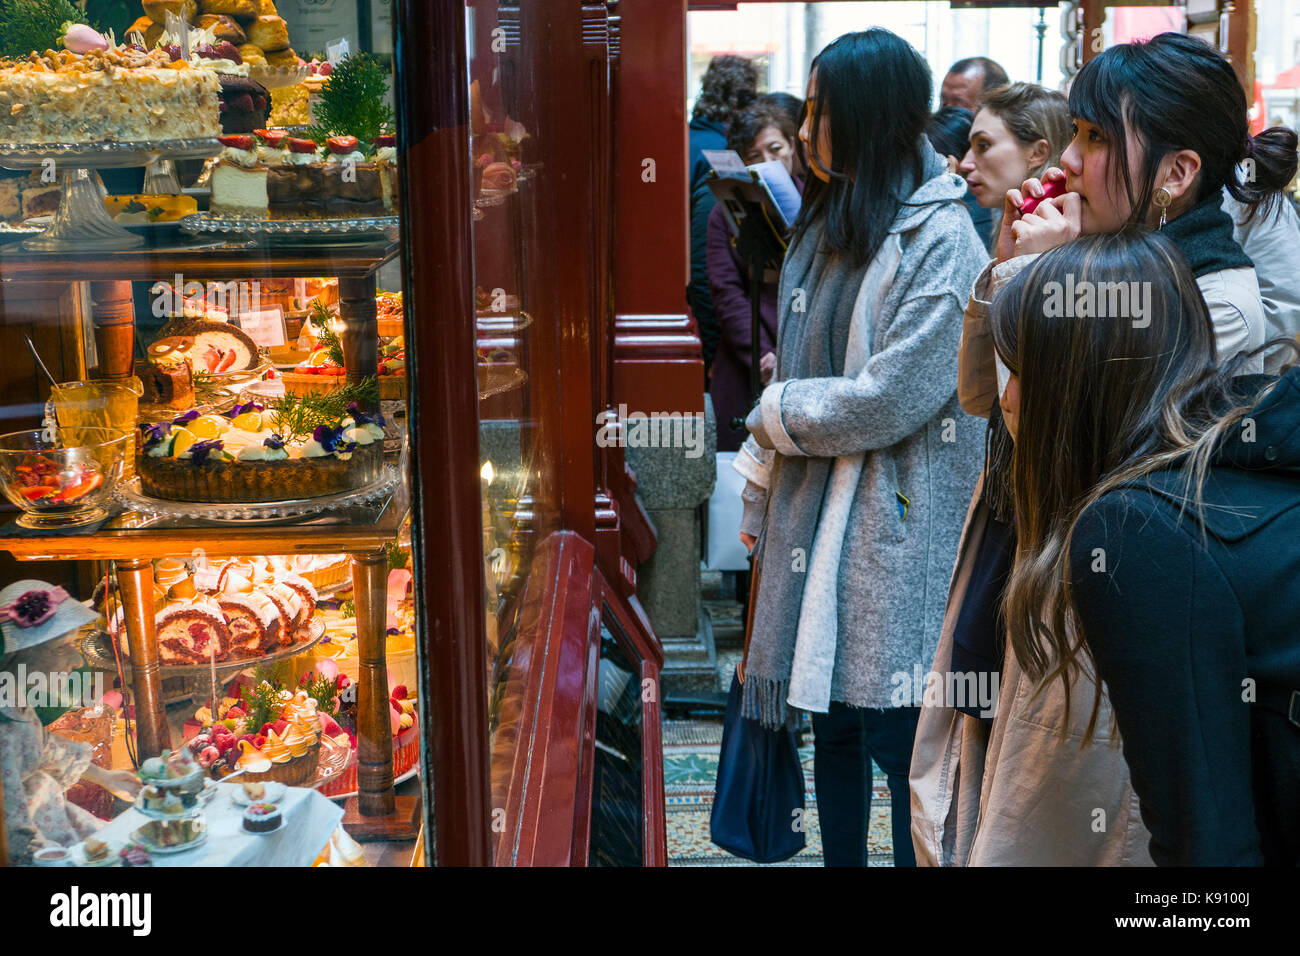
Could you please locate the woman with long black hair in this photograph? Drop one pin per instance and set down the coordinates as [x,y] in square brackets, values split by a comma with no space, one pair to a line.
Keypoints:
[859,457]
[1157,502]
[1159,127]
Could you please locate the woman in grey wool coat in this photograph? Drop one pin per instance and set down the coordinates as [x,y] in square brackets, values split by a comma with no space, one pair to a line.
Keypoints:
[860,460]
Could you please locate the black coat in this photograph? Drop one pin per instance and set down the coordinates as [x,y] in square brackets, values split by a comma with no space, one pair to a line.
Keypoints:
[1198,642]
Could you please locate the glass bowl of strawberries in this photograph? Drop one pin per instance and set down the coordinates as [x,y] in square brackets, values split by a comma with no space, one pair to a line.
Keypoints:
[57,486]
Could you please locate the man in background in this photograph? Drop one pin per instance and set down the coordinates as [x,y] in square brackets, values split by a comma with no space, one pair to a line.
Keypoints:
[968,80]
[729,85]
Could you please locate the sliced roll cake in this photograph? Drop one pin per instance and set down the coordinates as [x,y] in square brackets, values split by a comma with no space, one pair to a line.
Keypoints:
[188,631]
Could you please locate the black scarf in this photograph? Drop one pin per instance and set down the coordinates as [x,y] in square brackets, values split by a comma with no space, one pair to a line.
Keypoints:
[1203,235]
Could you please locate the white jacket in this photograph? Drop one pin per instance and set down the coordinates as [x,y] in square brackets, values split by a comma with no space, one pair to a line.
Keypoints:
[1273,244]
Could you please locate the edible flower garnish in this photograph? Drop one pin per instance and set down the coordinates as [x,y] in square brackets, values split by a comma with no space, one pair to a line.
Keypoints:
[275,441]
[361,418]
[186,418]
[246,407]
[200,450]
[154,434]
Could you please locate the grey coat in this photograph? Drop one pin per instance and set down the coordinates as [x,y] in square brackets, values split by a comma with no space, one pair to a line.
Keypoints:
[851,611]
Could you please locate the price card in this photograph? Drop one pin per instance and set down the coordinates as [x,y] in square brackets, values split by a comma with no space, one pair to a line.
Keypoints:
[337,51]
[266,327]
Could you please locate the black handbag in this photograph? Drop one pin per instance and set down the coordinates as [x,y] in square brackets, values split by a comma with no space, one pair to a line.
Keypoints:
[758,799]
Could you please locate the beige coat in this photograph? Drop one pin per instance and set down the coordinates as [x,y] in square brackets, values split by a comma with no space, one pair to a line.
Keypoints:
[1016,793]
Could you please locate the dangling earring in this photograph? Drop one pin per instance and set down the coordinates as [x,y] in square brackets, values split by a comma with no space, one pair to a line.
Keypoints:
[1162,198]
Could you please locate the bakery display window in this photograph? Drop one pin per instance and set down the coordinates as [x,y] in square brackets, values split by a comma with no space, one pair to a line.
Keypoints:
[210,653]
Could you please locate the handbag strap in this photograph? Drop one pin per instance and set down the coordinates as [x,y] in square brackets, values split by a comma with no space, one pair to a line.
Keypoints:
[755,575]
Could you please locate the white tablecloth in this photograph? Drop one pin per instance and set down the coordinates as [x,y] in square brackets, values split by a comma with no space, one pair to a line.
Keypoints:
[309,819]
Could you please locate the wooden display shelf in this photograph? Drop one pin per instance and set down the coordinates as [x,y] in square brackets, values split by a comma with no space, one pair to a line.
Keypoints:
[198,261]
[352,531]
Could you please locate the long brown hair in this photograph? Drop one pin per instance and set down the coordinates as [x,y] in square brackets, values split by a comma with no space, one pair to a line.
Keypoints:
[1104,400]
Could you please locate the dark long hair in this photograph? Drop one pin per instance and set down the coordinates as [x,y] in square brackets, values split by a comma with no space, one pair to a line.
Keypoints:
[874,91]
[949,131]
[1176,92]
[1104,400]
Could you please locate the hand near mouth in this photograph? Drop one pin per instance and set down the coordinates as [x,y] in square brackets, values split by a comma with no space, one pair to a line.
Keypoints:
[1053,223]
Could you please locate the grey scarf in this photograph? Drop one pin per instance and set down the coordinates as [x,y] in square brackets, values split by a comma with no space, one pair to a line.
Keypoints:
[818,291]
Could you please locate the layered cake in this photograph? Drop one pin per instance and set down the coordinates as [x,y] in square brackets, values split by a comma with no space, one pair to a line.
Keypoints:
[117,94]
[242,458]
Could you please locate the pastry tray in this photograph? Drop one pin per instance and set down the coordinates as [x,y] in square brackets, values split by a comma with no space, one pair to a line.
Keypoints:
[97,648]
[258,512]
[293,231]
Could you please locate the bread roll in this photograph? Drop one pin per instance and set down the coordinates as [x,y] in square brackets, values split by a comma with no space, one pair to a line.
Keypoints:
[282,58]
[224,26]
[157,10]
[244,9]
[252,54]
[148,29]
[270,33]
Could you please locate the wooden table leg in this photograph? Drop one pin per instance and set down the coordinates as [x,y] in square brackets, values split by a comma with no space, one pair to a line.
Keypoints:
[360,338]
[376,813]
[135,584]
[113,309]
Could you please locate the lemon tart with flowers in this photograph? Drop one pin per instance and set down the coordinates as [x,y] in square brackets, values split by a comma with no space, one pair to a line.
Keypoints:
[301,447]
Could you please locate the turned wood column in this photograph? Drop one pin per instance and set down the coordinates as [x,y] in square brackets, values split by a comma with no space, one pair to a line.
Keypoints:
[360,338]
[374,727]
[113,310]
[135,584]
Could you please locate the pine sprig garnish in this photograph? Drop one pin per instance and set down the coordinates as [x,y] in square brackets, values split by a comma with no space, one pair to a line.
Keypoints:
[261,705]
[326,338]
[297,416]
[28,26]
[353,102]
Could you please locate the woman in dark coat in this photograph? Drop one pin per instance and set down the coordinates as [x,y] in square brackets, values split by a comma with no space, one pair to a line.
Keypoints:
[761,133]
[1157,499]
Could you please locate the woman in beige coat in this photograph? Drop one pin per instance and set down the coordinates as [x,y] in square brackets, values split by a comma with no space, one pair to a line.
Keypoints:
[1021,789]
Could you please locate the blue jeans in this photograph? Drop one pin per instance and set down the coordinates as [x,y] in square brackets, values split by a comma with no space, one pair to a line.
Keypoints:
[846,741]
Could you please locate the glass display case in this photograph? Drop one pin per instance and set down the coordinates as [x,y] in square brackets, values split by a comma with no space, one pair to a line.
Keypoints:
[299,389]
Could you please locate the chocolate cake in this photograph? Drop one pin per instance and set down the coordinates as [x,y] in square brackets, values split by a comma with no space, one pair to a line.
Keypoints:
[245,104]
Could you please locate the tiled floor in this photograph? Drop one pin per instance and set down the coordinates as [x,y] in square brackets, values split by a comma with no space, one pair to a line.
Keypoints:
[690,769]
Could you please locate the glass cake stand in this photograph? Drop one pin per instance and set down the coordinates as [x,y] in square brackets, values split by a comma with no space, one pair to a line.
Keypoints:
[270,512]
[82,222]
[293,231]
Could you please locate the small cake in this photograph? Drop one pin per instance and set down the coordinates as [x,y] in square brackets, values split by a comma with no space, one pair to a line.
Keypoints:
[147,208]
[255,623]
[254,791]
[261,817]
[284,57]
[245,103]
[149,29]
[157,10]
[239,180]
[224,27]
[151,797]
[271,33]
[386,161]
[175,577]
[95,850]
[243,9]
[170,384]
[295,189]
